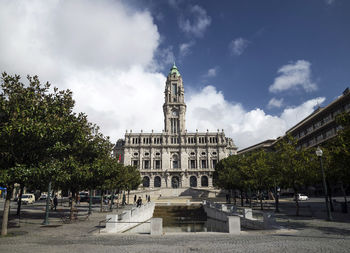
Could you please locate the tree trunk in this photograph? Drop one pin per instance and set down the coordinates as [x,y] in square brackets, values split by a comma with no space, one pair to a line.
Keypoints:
[19,202]
[72,208]
[112,200]
[261,201]
[5,216]
[90,202]
[277,210]
[234,196]
[344,195]
[242,200]
[102,199]
[128,196]
[296,202]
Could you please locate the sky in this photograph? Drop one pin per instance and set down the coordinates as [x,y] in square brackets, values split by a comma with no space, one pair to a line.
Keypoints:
[253,68]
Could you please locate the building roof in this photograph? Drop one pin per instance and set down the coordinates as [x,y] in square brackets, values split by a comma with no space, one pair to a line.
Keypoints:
[264,145]
[319,110]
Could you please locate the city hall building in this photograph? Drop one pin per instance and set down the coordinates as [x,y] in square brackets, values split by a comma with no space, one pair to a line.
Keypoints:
[174,158]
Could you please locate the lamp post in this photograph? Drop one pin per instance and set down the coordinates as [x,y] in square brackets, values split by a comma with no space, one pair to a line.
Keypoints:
[319,153]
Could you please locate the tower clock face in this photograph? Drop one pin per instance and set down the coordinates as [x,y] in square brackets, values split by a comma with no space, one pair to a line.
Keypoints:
[174,113]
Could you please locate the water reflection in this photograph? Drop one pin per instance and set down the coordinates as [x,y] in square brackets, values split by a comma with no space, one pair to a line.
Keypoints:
[183,225]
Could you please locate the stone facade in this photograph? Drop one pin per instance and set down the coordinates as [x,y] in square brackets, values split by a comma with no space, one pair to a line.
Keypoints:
[174,158]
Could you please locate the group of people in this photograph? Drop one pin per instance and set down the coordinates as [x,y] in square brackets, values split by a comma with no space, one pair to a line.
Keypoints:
[138,201]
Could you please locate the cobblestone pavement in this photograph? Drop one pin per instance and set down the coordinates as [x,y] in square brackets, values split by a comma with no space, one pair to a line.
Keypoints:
[301,234]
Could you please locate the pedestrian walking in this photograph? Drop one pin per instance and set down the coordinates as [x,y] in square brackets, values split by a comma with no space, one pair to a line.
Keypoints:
[55,202]
[149,198]
[135,199]
[139,202]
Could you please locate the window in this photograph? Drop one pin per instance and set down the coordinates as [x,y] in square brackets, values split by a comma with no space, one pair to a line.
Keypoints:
[214,153]
[136,154]
[214,163]
[192,153]
[203,153]
[135,140]
[311,141]
[157,154]
[204,164]
[157,182]
[204,181]
[330,133]
[146,162]
[146,154]
[157,140]
[191,140]
[174,89]
[135,163]
[145,182]
[193,181]
[157,164]
[175,164]
[192,164]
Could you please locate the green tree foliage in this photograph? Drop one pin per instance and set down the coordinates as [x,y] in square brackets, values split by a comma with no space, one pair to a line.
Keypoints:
[295,166]
[42,140]
[32,124]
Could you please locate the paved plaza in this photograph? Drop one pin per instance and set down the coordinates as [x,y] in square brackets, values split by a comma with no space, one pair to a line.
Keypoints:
[299,234]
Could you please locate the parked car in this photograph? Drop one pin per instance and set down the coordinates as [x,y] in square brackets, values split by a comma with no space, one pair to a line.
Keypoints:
[301,197]
[43,197]
[28,198]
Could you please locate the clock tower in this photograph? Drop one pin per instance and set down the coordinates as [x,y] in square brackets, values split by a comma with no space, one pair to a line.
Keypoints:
[174,107]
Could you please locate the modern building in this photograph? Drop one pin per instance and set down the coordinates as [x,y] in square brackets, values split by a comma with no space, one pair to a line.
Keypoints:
[175,158]
[315,129]
[265,145]
[321,125]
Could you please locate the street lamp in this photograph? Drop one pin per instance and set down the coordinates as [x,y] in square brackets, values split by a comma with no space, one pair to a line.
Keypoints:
[319,153]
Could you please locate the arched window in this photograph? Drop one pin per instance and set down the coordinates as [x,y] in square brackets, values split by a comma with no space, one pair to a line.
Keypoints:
[145,182]
[157,182]
[204,181]
[175,162]
[193,181]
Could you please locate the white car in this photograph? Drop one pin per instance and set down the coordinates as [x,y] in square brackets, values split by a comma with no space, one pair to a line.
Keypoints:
[302,197]
[43,197]
[28,198]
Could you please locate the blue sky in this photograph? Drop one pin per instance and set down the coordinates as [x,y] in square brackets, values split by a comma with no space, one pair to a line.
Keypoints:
[252,68]
[274,33]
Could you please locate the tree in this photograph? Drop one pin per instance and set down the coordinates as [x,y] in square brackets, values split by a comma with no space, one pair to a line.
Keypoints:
[260,170]
[32,123]
[228,173]
[295,166]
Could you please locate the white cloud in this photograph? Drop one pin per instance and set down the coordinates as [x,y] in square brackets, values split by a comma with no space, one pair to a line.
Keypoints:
[208,109]
[274,102]
[292,76]
[185,49]
[212,72]
[238,46]
[94,49]
[198,24]
[329,2]
[164,58]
